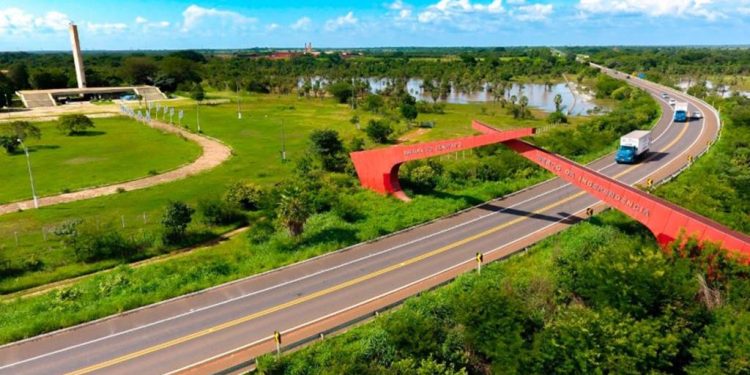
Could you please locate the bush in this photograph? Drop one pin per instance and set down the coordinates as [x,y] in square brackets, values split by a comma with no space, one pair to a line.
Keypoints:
[93,243]
[260,231]
[176,218]
[218,212]
[74,124]
[244,195]
[557,118]
[341,90]
[379,131]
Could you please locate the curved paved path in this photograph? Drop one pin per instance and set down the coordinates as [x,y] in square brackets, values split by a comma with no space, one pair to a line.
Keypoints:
[214,153]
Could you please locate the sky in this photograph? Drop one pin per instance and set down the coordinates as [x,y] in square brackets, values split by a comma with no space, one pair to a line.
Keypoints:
[32,25]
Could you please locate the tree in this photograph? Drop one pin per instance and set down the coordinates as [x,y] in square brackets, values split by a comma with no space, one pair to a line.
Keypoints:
[19,75]
[7,90]
[176,218]
[49,80]
[139,70]
[379,130]
[13,133]
[409,111]
[342,91]
[357,144]
[328,147]
[293,209]
[197,93]
[558,103]
[74,124]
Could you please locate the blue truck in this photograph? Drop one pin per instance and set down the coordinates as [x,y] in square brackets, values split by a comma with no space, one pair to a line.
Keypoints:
[633,146]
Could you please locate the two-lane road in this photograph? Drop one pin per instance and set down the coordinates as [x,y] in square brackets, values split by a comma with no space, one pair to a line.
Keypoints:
[189,330]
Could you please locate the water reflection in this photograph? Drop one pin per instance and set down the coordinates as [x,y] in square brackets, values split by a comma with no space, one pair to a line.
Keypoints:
[540,95]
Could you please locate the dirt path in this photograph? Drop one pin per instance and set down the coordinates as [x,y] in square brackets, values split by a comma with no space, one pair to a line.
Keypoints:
[214,153]
[410,136]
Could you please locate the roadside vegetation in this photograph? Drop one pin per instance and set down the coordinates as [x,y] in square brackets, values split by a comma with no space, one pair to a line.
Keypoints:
[601,297]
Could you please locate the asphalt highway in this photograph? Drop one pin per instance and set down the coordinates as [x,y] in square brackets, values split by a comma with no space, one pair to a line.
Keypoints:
[195,332]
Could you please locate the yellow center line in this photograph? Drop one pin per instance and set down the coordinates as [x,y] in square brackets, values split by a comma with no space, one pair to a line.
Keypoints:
[343,285]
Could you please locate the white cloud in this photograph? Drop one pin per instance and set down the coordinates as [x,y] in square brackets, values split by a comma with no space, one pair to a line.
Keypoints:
[462,14]
[534,12]
[147,25]
[347,20]
[653,8]
[106,28]
[302,24]
[195,16]
[745,11]
[400,11]
[272,27]
[16,21]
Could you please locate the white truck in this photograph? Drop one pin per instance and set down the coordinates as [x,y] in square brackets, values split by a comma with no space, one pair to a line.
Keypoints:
[633,146]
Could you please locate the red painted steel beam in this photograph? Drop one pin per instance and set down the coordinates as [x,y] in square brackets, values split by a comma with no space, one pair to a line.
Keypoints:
[666,221]
[378,169]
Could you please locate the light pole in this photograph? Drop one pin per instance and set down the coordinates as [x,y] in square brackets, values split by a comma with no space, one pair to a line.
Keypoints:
[239,114]
[198,114]
[31,177]
[283,142]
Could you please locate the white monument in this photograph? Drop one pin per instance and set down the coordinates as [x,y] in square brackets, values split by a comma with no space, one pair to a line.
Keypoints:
[77,56]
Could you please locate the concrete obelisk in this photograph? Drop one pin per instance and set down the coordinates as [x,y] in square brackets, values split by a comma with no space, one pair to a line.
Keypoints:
[77,56]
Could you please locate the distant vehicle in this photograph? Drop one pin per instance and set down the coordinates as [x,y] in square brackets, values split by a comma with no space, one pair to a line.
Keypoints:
[681,112]
[664,95]
[633,146]
[129,97]
[697,115]
[672,102]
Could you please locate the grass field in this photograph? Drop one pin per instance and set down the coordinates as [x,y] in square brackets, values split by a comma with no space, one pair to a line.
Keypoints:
[118,149]
[256,140]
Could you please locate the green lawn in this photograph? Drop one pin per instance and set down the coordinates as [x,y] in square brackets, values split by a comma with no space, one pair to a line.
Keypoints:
[118,149]
[256,140]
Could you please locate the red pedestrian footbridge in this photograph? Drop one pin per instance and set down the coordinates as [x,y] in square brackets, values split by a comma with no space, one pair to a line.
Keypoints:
[378,169]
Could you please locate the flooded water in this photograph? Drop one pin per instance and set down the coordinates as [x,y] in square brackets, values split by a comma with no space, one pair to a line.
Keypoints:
[724,90]
[540,96]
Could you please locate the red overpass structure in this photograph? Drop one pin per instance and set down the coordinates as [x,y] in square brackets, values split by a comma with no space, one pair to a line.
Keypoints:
[667,221]
[378,169]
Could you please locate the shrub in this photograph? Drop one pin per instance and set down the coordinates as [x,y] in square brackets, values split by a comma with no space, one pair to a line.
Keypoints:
[218,212]
[74,124]
[93,243]
[557,118]
[244,195]
[176,218]
[379,130]
[260,231]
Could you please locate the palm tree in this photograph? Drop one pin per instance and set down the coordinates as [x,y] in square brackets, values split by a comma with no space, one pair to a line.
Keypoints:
[293,210]
[558,102]
[513,99]
[524,102]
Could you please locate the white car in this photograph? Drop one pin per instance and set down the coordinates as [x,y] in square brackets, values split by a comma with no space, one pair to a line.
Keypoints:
[664,95]
[697,115]
[672,102]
